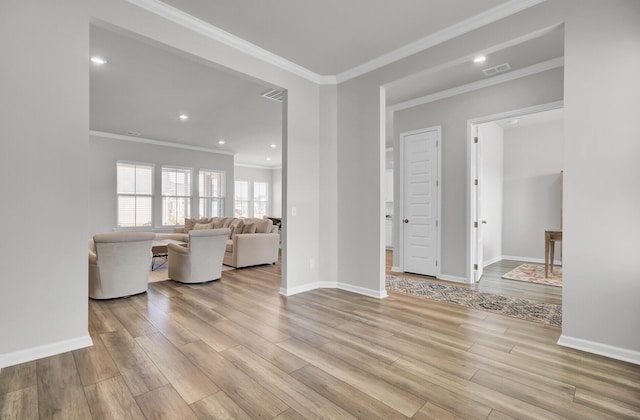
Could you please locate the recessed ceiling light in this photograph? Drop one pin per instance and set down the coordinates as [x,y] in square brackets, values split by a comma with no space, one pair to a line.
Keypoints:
[513,121]
[480,59]
[98,60]
[273,146]
[268,158]
[220,141]
[183,117]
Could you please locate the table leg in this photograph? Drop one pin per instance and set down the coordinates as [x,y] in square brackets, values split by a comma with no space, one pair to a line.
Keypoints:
[546,254]
[552,254]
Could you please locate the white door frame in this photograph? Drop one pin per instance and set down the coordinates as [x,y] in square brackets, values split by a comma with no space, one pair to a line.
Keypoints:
[398,224]
[472,171]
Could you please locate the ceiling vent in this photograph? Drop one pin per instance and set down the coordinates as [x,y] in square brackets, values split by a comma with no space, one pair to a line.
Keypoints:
[496,69]
[133,133]
[274,95]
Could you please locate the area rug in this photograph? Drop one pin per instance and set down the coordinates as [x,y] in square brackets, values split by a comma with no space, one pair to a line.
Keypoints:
[534,273]
[544,313]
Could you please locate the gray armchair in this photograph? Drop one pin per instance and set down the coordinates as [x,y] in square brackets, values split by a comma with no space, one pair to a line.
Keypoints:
[202,260]
[119,264]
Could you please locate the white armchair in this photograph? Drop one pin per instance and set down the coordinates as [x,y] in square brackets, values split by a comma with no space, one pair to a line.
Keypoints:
[119,264]
[202,260]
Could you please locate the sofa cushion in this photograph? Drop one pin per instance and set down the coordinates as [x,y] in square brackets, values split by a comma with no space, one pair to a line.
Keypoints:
[218,222]
[249,228]
[263,225]
[202,226]
[189,223]
[229,247]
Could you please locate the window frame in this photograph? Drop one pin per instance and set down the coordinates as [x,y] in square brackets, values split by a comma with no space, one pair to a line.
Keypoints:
[151,166]
[220,199]
[187,198]
[236,201]
[266,201]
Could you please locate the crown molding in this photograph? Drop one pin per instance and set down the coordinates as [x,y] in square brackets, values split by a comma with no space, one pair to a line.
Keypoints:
[107,135]
[210,31]
[247,165]
[489,16]
[470,87]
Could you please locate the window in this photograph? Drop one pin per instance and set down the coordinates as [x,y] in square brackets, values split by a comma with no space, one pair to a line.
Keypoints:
[135,194]
[176,195]
[260,199]
[211,187]
[241,205]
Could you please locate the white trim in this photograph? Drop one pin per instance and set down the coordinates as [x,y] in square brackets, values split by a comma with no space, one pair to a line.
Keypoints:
[529,260]
[334,285]
[470,175]
[456,279]
[481,84]
[396,269]
[618,353]
[378,294]
[38,352]
[247,165]
[485,18]
[212,32]
[492,260]
[106,135]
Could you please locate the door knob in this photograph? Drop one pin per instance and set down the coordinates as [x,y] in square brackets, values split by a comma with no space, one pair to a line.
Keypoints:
[484,222]
[406,220]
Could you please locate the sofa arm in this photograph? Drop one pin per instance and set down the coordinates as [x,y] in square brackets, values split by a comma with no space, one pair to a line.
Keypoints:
[178,249]
[93,258]
[179,230]
[255,248]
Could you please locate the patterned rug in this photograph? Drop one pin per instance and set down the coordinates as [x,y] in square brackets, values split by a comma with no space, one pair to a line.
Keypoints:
[534,273]
[544,313]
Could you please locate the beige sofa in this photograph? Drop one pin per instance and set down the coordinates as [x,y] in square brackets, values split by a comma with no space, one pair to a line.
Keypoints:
[245,246]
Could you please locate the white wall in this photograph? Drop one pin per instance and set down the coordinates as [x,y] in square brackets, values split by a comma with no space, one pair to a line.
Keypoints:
[452,114]
[601,286]
[104,153]
[44,114]
[276,181]
[490,187]
[533,157]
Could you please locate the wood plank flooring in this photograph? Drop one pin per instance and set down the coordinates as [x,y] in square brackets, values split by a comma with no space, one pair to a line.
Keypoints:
[235,348]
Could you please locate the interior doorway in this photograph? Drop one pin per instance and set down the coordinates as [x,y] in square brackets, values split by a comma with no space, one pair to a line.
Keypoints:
[515,162]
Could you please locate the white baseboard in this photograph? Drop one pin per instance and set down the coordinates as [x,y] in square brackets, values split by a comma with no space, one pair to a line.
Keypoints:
[378,294]
[492,260]
[626,355]
[527,259]
[333,285]
[34,353]
[453,278]
[396,269]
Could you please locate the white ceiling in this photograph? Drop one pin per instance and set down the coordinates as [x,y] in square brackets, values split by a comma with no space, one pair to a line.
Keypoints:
[143,88]
[145,85]
[330,37]
[529,120]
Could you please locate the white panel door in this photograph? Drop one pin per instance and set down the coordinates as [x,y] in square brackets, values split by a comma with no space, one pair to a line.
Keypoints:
[420,203]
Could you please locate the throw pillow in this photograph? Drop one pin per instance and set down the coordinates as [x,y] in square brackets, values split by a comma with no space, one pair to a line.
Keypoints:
[236,228]
[201,226]
[189,224]
[249,228]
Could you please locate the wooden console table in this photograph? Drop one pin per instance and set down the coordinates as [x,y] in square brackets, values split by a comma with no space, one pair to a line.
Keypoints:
[550,239]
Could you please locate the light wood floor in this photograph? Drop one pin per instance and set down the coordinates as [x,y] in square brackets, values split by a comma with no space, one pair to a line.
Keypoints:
[237,349]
